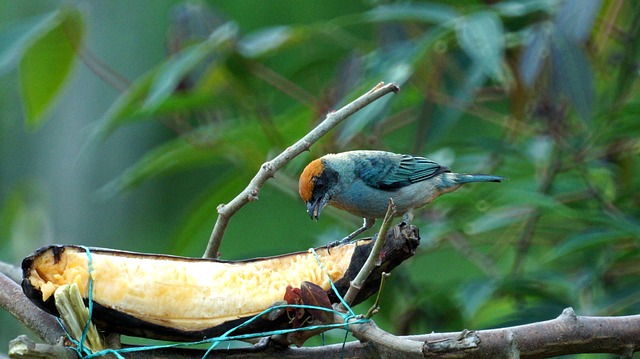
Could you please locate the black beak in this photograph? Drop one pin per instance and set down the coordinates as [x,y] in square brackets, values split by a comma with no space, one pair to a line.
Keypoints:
[314,207]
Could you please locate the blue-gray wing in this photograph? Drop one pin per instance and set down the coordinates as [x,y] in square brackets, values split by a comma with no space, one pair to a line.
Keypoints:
[396,171]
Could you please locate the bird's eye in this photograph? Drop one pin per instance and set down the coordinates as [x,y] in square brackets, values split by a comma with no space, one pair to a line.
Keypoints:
[319,183]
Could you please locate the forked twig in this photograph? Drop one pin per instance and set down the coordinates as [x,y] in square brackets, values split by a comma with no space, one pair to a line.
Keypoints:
[376,305]
[268,169]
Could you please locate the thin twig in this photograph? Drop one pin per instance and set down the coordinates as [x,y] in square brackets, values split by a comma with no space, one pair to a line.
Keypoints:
[268,169]
[372,260]
[376,305]
[97,66]
[532,221]
[102,70]
[281,83]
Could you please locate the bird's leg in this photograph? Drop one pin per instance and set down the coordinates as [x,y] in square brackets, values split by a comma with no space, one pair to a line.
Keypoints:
[367,223]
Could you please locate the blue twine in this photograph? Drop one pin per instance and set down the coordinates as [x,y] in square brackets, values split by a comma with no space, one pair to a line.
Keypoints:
[348,319]
[79,348]
[333,286]
[89,297]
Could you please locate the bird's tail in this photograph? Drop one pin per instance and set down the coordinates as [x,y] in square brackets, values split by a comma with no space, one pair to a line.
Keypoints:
[468,178]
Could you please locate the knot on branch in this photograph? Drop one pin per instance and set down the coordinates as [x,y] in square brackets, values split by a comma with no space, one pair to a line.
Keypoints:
[252,195]
[568,314]
[268,168]
[467,339]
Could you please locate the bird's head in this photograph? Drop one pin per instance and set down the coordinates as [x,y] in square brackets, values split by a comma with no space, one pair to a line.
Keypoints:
[316,186]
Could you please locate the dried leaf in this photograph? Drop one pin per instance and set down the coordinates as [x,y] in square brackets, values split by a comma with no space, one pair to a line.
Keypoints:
[292,296]
[312,294]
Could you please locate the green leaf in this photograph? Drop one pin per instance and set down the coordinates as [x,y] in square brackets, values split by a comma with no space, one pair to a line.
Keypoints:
[575,18]
[170,157]
[518,8]
[534,54]
[432,13]
[267,40]
[572,74]
[15,38]
[200,217]
[362,119]
[24,221]
[396,64]
[510,196]
[126,106]
[583,241]
[445,117]
[475,294]
[47,62]
[481,36]
[495,219]
[206,146]
[173,71]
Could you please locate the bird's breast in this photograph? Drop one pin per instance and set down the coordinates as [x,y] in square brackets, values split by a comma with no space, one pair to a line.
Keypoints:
[368,202]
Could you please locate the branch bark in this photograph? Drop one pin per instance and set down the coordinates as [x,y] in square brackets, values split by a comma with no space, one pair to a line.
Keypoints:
[268,169]
[11,271]
[13,300]
[567,334]
[564,335]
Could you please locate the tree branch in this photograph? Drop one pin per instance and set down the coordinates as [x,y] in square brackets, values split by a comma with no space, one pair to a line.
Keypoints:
[23,347]
[11,271]
[567,334]
[268,169]
[13,300]
[564,335]
[372,261]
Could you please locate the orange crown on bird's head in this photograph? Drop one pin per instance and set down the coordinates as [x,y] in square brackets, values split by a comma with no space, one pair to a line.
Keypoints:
[306,183]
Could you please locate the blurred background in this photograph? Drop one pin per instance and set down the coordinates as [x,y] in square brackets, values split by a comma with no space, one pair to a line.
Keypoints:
[124,124]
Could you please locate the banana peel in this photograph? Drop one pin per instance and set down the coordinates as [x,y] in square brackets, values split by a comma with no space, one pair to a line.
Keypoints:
[186,299]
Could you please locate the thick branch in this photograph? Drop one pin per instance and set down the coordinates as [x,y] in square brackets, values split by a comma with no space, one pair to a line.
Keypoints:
[15,302]
[567,334]
[268,169]
[11,271]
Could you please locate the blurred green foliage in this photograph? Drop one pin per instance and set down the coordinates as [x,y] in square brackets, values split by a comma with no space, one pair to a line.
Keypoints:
[543,92]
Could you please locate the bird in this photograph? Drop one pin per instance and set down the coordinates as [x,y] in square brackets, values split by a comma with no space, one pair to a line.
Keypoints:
[362,181]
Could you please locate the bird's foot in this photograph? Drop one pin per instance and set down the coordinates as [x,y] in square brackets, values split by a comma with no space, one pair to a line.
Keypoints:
[345,240]
[368,223]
